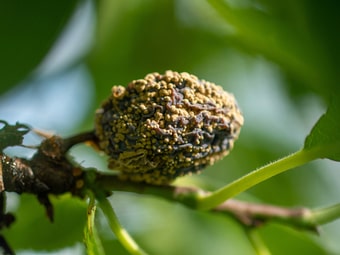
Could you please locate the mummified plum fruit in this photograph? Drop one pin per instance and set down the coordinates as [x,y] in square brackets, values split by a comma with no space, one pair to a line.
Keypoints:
[165,126]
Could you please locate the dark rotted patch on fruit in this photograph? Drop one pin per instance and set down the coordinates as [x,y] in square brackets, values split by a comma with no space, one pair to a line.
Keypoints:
[165,126]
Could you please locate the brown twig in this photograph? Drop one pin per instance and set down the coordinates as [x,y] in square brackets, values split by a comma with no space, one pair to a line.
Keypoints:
[50,172]
[249,214]
[254,215]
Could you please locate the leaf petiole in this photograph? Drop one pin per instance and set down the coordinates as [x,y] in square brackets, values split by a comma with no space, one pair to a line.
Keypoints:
[91,238]
[206,202]
[257,242]
[122,235]
[323,215]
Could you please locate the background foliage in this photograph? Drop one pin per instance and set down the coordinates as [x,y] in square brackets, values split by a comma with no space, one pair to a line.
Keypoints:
[280,58]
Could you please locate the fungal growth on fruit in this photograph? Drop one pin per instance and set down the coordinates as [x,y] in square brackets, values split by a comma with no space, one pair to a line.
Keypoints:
[165,126]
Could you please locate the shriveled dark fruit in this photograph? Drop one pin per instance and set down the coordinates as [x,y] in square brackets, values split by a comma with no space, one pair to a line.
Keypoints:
[165,126]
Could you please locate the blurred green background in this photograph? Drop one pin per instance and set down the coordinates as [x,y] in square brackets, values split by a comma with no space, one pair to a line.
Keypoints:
[59,60]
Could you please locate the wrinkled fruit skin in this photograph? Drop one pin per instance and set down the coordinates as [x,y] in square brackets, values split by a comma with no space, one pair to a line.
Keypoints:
[165,126]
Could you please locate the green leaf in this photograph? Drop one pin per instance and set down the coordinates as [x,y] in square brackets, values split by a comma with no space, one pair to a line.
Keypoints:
[32,229]
[325,135]
[28,29]
[285,32]
[282,240]
[12,135]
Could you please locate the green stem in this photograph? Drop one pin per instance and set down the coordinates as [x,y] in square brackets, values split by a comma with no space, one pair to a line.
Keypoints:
[323,215]
[257,242]
[91,238]
[122,235]
[298,158]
